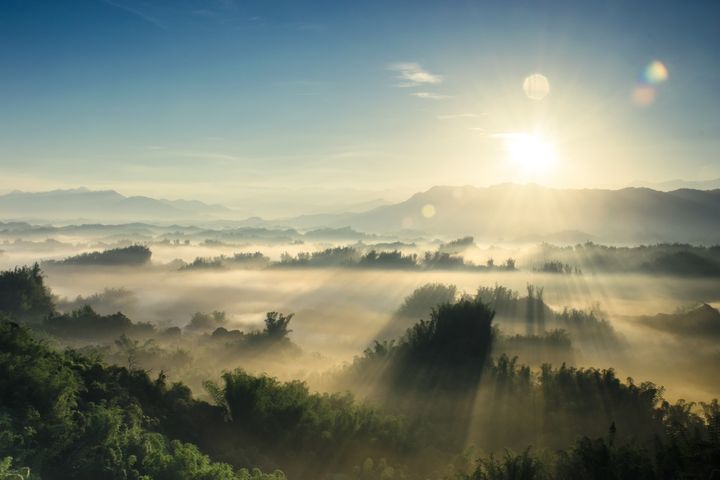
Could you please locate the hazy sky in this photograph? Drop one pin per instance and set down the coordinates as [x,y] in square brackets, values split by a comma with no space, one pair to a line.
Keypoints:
[230,100]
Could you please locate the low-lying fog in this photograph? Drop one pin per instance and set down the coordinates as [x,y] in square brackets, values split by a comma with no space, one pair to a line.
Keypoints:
[338,313]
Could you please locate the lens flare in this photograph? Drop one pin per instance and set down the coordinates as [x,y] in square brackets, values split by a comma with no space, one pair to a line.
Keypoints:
[655,72]
[643,95]
[428,211]
[645,92]
[536,86]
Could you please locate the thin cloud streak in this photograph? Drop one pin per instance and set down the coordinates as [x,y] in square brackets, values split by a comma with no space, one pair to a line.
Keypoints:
[430,95]
[413,75]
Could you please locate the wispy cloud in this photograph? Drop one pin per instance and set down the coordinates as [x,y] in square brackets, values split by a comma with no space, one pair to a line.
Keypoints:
[430,95]
[413,75]
[456,116]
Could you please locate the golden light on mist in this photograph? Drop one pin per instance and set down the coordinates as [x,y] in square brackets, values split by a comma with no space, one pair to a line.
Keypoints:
[536,86]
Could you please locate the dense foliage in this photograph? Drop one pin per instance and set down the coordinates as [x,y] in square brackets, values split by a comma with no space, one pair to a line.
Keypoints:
[588,329]
[662,258]
[420,303]
[24,295]
[237,260]
[66,416]
[384,259]
[130,256]
[430,394]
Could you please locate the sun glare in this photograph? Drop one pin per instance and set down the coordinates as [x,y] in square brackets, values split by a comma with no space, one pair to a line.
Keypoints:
[531,153]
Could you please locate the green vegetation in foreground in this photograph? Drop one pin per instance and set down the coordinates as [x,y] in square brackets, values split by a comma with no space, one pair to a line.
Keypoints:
[67,415]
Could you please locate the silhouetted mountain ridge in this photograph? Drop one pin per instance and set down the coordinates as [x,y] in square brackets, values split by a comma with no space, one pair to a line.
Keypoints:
[511,212]
[500,213]
[678,183]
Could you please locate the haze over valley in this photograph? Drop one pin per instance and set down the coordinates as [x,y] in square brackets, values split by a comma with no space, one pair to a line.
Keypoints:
[252,240]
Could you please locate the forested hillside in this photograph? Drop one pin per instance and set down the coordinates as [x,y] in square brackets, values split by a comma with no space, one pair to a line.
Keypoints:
[430,395]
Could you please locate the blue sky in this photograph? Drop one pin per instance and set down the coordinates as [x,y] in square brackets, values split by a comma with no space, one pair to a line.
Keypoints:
[230,100]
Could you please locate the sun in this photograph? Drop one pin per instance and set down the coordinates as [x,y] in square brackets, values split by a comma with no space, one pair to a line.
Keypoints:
[531,153]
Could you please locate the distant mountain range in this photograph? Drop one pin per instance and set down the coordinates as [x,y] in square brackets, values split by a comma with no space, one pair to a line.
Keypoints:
[533,213]
[501,213]
[103,205]
[677,184]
